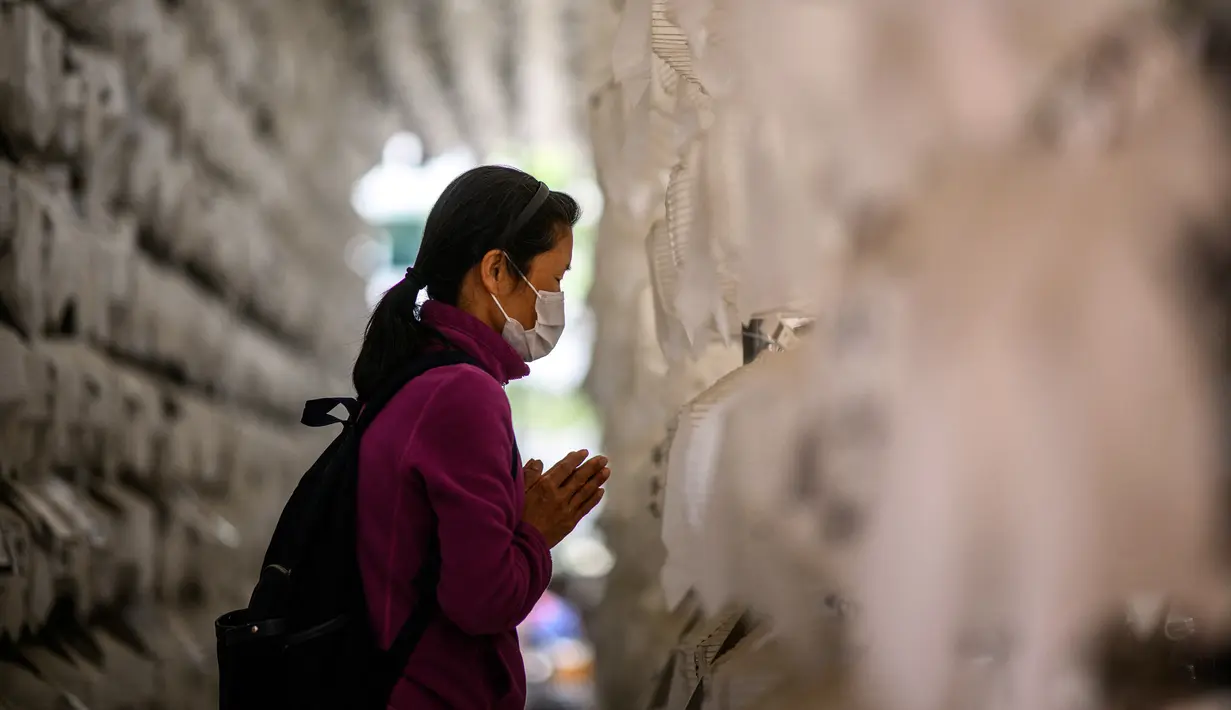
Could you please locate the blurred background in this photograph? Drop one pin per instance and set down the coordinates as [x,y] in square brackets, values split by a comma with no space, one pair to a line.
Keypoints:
[199,202]
[902,324]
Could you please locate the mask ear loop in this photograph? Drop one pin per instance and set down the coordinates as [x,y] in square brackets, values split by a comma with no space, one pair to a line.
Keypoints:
[519,273]
[502,311]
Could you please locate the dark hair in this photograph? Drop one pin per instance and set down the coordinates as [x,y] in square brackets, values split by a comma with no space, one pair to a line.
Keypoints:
[472,217]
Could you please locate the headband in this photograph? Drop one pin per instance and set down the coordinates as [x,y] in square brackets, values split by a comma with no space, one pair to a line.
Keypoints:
[531,209]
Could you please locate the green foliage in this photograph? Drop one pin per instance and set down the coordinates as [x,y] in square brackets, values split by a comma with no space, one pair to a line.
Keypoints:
[546,410]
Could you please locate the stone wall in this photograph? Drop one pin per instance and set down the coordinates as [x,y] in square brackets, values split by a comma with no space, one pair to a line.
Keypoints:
[174,203]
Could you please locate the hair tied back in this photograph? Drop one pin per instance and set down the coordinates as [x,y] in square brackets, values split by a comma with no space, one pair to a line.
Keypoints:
[412,279]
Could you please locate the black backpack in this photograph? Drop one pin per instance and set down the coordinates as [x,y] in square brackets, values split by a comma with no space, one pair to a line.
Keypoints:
[305,640]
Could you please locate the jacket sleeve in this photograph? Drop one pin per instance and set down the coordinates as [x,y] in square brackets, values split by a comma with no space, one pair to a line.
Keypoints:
[493,567]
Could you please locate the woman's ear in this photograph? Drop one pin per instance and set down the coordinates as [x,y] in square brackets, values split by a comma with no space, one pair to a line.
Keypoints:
[493,271]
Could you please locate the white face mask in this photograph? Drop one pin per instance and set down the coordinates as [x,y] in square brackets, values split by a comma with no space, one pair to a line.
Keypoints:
[538,341]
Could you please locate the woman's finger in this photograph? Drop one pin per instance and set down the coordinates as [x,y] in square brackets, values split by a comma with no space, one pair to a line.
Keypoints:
[533,472]
[588,505]
[561,471]
[583,475]
[584,491]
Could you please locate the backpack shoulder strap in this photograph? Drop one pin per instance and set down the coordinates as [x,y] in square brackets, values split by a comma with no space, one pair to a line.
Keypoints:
[386,392]
[398,655]
[319,412]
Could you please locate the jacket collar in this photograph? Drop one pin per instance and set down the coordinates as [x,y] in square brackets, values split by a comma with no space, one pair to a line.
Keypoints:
[475,338]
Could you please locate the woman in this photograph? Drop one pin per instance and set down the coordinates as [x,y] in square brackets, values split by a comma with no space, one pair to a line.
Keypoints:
[434,466]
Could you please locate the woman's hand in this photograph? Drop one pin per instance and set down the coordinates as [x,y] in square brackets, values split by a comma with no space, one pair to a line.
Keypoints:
[558,499]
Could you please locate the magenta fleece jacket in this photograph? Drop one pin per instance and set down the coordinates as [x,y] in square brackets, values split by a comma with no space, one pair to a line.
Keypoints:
[435,465]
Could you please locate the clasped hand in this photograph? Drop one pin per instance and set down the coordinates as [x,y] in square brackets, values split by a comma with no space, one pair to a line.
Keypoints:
[558,499]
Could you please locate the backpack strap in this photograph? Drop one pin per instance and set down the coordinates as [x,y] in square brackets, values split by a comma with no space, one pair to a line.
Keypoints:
[318,412]
[412,631]
[393,385]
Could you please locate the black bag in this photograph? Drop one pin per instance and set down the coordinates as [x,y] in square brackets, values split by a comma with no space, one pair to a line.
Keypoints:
[305,640]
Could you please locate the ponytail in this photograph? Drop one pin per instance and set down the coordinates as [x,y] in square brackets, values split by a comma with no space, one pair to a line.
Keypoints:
[394,335]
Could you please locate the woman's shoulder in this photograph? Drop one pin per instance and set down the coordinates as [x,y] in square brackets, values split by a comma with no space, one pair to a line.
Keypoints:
[460,385]
[457,398]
